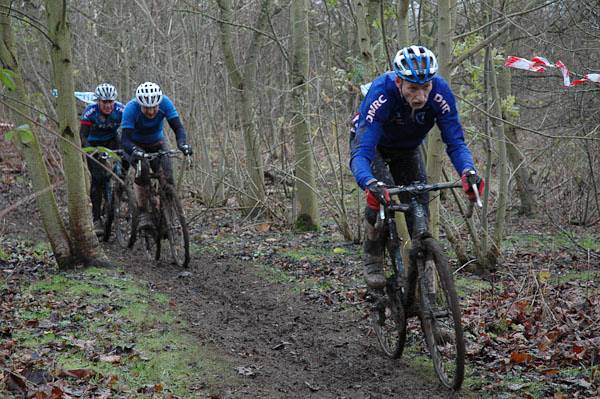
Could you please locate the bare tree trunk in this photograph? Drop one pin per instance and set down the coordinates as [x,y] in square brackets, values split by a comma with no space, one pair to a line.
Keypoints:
[435,148]
[524,189]
[364,38]
[403,23]
[85,245]
[30,148]
[502,171]
[307,215]
[245,85]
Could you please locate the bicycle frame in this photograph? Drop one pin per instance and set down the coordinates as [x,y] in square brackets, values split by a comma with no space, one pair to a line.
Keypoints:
[400,293]
[166,212]
[154,193]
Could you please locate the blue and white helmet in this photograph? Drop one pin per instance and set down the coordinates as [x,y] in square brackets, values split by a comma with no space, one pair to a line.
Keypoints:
[416,64]
[148,94]
[106,91]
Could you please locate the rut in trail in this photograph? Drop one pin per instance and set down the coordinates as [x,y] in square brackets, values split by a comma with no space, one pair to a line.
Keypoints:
[293,348]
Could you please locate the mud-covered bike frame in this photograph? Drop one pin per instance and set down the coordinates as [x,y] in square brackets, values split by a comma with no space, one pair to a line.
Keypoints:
[166,212]
[435,301]
[116,193]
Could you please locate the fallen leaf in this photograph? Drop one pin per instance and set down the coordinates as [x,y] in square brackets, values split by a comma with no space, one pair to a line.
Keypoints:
[313,388]
[245,371]
[550,371]
[77,373]
[15,383]
[517,387]
[112,380]
[110,358]
[517,357]
[57,393]
[543,276]
[262,227]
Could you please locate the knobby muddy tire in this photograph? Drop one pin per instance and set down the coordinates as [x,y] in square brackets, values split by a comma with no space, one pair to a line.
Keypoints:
[108,209]
[124,222]
[448,357]
[389,319]
[176,228]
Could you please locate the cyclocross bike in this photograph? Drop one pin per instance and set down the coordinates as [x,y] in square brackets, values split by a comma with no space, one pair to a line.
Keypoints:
[166,212]
[119,204]
[426,291]
[117,199]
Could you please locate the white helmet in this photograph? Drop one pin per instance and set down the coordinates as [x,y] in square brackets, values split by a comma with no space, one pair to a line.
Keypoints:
[148,94]
[106,91]
[416,64]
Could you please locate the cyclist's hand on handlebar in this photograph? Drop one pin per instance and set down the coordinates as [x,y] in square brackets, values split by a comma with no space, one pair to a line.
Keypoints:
[186,149]
[137,154]
[377,194]
[470,178]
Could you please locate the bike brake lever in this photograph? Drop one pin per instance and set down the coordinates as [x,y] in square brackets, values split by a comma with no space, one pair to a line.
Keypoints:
[477,197]
[381,217]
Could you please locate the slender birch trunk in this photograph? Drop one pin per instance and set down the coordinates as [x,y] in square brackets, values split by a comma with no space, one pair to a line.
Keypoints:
[85,245]
[307,215]
[245,85]
[30,148]
[435,146]
[501,170]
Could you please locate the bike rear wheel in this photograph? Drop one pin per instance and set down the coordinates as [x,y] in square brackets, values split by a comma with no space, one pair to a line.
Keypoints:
[176,228]
[440,316]
[389,319]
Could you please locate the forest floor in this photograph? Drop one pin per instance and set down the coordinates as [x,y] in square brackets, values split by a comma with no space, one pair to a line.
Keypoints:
[263,312]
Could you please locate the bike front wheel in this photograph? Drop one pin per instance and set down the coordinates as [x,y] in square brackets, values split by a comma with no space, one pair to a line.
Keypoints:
[108,208]
[177,231]
[125,210]
[388,317]
[440,315]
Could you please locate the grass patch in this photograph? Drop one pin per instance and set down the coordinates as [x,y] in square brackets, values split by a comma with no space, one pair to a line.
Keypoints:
[551,242]
[304,254]
[465,286]
[587,275]
[112,314]
[523,387]
[275,275]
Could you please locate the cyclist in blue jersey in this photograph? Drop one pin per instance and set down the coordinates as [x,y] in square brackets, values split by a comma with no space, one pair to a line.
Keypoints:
[143,132]
[100,124]
[398,111]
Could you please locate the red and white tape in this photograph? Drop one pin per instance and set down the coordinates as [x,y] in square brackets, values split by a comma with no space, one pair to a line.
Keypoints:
[539,64]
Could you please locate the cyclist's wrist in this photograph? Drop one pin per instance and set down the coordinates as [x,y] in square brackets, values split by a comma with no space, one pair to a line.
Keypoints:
[370,181]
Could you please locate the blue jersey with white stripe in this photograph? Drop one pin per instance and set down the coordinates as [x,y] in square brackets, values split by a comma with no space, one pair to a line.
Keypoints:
[102,127]
[385,119]
[148,131]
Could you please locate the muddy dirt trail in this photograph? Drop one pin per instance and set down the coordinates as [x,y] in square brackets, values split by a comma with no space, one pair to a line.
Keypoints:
[294,349]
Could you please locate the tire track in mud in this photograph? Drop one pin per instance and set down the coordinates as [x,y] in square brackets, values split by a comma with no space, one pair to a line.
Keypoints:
[293,348]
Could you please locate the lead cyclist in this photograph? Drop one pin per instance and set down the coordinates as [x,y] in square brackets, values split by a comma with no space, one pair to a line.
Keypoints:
[398,111]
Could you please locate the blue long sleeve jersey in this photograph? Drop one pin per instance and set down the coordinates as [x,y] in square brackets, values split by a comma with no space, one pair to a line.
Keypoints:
[147,131]
[385,120]
[97,127]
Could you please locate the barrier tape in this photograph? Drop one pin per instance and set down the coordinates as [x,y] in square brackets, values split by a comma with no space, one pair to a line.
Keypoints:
[539,64]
